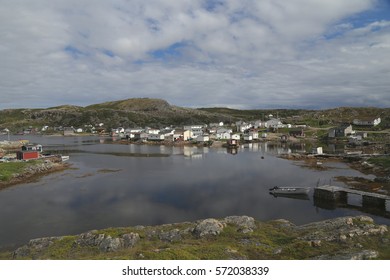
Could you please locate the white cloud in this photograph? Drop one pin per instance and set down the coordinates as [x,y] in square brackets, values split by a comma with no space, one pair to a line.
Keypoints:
[193,53]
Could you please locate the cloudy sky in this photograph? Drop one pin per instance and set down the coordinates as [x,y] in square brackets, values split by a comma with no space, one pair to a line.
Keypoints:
[196,53]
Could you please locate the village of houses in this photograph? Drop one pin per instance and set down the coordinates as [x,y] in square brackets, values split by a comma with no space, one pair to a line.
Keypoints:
[230,135]
[239,131]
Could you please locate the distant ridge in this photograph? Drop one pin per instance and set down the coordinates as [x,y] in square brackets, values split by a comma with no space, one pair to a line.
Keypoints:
[152,112]
[134,104]
[131,112]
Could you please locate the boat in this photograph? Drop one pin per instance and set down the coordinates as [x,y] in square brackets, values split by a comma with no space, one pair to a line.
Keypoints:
[292,196]
[64,158]
[289,190]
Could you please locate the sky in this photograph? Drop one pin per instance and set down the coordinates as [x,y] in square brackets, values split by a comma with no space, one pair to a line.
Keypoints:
[243,54]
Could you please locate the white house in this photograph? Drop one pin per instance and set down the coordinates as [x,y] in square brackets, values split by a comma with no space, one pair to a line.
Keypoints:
[134,130]
[248,137]
[183,134]
[216,124]
[367,122]
[235,136]
[118,130]
[254,134]
[340,131]
[212,129]
[156,137]
[192,127]
[152,131]
[258,124]
[167,131]
[224,129]
[203,138]
[317,151]
[141,136]
[197,132]
[130,132]
[187,135]
[355,139]
[243,127]
[274,123]
[223,135]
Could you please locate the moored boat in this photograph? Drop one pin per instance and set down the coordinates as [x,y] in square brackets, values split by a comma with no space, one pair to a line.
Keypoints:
[289,190]
[64,158]
[293,196]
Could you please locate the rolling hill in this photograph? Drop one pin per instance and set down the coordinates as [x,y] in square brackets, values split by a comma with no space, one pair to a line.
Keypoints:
[136,112]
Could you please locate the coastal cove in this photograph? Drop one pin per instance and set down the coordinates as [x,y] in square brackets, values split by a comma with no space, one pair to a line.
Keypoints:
[111,185]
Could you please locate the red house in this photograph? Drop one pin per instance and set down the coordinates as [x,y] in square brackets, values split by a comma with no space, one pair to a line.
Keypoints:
[29,152]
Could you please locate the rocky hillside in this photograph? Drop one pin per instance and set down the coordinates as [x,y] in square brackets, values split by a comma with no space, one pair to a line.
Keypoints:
[156,113]
[234,237]
[126,113]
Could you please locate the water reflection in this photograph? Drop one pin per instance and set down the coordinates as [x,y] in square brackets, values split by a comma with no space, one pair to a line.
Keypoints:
[297,196]
[173,187]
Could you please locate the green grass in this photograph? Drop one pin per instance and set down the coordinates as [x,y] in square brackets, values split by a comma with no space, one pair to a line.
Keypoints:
[381,161]
[8,169]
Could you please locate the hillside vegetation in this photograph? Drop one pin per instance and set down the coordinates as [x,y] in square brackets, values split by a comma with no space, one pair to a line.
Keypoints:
[157,113]
[126,113]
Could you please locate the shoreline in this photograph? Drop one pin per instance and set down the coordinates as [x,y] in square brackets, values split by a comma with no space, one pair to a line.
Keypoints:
[34,172]
[381,182]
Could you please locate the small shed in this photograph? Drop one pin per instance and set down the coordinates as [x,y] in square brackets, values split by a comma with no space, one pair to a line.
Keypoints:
[29,152]
[317,151]
[203,138]
[27,155]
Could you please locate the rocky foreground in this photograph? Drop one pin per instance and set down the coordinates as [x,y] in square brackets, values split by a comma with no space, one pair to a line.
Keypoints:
[234,237]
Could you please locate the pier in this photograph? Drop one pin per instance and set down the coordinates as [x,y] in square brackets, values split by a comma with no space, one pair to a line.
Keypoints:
[330,197]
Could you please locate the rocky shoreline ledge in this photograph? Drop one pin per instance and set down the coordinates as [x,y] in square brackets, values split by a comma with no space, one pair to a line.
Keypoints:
[33,172]
[234,237]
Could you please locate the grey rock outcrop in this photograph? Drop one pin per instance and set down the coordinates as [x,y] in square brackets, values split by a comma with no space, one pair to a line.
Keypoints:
[107,243]
[35,246]
[110,244]
[362,255]
[344,238]
[245,224]
[170,236]
[90,238]
[130,239]
[341,229]
[208,227]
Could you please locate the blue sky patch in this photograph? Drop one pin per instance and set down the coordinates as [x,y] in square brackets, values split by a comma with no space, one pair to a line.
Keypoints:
[108,53]
[73,51]
[153,25]
[377,14]
[212,5]
[173,51]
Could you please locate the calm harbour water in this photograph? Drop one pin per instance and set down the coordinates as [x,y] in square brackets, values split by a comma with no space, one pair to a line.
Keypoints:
[126,185]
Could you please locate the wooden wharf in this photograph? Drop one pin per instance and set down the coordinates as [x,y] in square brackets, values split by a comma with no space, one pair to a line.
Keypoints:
[331,191]
[339,195]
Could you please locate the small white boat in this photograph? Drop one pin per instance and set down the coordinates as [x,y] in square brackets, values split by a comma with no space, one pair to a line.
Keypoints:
[289,190]
[64,158]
